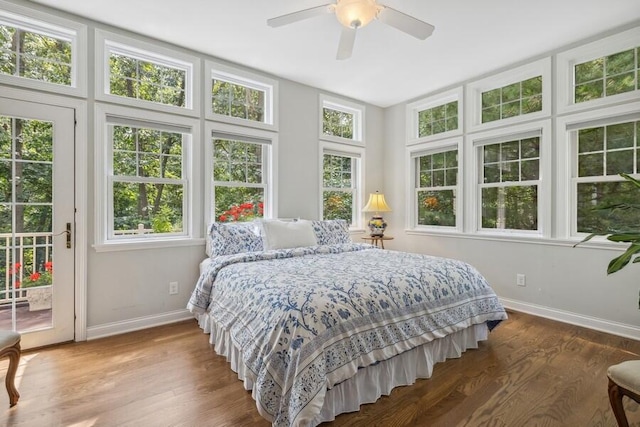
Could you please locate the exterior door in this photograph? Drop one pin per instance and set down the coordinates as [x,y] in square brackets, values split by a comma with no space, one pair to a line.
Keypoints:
[37,221]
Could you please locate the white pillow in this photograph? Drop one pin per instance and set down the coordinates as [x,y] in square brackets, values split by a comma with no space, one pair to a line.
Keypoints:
[282,235]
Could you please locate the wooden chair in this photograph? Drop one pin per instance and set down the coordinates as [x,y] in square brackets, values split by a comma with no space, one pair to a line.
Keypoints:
[624,380]
[10,347]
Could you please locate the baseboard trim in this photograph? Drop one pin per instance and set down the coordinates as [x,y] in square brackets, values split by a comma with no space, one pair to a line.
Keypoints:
[615,328]
[130,325]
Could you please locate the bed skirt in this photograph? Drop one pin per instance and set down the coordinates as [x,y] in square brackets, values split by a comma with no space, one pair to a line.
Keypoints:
[369,383]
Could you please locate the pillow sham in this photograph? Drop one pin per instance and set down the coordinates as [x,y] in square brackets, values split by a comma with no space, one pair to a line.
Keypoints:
[331,231]
[287,234]
[233,238]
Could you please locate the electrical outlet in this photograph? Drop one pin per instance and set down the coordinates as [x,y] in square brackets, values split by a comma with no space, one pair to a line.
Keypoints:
[521,280]
[173,288]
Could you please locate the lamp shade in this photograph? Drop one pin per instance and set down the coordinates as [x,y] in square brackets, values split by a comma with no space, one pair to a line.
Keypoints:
[356,13]
[376,203]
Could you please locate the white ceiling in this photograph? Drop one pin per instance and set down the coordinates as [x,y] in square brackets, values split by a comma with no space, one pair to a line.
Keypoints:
[387,67]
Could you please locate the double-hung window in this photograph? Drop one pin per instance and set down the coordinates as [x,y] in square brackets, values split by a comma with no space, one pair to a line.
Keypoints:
[241,177]
[340,185]
[436,187]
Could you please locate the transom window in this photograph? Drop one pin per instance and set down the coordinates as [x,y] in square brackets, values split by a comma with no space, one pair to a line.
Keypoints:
[339,186]
[442,118]
[237,100]
[239,179]
[341,121]
[604,152]
[148,185]
[606,76]
[337,123]
[512,100]
[436,184]
[509,184]
[141,76]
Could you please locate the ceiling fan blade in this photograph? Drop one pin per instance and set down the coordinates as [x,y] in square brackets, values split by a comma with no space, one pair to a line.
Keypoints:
[405,23]
[290,18]
[347,39]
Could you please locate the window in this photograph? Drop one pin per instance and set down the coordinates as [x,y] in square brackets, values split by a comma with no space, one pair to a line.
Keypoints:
[599,73]
[144,75]
[512,100]
[436,185]
[341,121]
[513,96]
[145,191]
[239,178]
[438,119]
[435,117]
[239,97]
[602,153]
[342,175]
[510,184]
[41,53]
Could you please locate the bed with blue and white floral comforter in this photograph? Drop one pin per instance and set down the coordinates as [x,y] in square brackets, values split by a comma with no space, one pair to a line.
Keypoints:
[306,319]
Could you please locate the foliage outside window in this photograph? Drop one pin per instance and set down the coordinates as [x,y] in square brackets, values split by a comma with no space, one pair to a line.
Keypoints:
[239,180]
[35,55]
[148,183]
[510,181]
[436,188]
[337,123]
[607,75]
[236,100]
[147,80]
[442,118]
[603,153]
[339,177]
[512,100]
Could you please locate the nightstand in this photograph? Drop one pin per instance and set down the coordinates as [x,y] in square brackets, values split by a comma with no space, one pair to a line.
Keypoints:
[374,240]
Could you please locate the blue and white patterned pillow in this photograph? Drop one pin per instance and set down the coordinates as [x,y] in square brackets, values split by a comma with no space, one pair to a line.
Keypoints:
[331,231]
[233,238]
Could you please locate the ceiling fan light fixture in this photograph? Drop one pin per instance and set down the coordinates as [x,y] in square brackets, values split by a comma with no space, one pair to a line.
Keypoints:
[356,13]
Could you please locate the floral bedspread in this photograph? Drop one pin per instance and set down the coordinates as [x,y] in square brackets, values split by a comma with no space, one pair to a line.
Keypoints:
[306,319]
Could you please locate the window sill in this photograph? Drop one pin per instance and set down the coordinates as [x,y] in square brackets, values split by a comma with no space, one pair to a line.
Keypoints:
[142,244]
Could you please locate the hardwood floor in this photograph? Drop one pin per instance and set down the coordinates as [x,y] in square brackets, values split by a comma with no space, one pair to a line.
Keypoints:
[531,372]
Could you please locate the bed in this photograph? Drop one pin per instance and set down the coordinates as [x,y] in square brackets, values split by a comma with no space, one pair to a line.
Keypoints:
[315,325]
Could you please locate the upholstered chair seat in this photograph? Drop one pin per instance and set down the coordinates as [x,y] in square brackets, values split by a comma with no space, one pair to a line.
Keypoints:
[624,380]
[10,347]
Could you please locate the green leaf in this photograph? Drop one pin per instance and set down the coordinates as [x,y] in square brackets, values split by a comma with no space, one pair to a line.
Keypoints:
[624,237]
[619,262]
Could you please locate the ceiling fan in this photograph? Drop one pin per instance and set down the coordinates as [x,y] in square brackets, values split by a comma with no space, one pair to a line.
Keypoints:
[355,14]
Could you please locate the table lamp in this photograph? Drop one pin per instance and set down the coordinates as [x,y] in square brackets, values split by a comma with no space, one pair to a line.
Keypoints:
[376,204]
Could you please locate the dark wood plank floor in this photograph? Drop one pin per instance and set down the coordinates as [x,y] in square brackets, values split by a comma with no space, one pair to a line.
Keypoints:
[531,372]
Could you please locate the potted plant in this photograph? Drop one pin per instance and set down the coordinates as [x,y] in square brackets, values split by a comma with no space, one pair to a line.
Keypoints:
[626,236]
[38,288]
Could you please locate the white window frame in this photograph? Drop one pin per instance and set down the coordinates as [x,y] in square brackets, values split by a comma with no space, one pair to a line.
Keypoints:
[31,20]
[413,110]
[270,158]
[566,61]
[566,189]
[358,112]
[104,236]
[412,154]
[473,195]
[215,70]
[357,179]
[475,89]
[106,42]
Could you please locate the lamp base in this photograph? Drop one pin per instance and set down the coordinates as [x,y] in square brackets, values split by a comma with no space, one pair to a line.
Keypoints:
[377,225]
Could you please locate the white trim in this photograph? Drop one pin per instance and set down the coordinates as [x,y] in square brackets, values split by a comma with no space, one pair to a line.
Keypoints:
[412,153]
[474,91]
[564,193]
[138,323]
[52,26]
[413,110]
[80,194]
[342,105]
[359,154]
[103,171]
[567,60]
[472,199]
[247,79]
[105,42]
[270,180]
[602,325]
